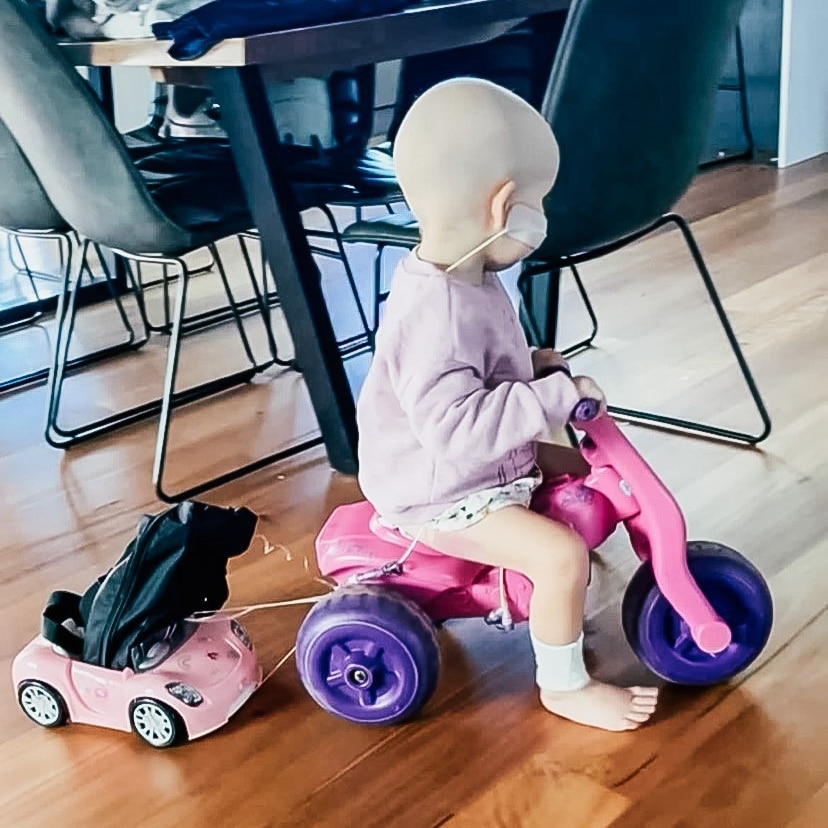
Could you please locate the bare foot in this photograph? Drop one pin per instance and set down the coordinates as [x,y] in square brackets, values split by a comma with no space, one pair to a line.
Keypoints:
[602,705]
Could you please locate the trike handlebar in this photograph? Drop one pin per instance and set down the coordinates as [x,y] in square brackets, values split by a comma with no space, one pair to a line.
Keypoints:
[587,408]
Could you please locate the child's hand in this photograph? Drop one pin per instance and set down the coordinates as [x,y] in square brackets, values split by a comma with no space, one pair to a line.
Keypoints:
[547,360]
[589,390]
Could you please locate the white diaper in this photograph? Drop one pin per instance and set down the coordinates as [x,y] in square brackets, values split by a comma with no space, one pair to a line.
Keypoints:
[473,508]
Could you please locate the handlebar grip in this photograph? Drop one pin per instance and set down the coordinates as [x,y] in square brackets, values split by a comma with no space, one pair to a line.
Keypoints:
[586,410]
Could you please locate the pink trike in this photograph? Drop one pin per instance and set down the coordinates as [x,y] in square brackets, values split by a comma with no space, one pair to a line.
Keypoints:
[694,613]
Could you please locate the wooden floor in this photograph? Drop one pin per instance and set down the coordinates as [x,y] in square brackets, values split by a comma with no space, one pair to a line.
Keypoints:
[753,753]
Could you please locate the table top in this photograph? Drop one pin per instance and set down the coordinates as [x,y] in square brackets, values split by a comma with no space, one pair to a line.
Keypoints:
[317,50]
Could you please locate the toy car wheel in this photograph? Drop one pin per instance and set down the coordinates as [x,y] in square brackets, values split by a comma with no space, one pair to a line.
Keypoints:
[661,639]
[155,723]
[42,704]
[368,655]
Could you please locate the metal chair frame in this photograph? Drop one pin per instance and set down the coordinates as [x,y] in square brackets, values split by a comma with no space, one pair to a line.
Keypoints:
[63,437]
[68,243]
[351,346]
[638,415]
[629,414]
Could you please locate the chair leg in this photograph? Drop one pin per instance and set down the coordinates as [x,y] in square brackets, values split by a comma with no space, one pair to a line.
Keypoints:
[67,245]
[143,286]
[661,420]
[233,305]
[337,237]
[264,297]
[530,324]
[197,321]
[65,319]
[62,437]
[205,268]
[571,350]
[171,399]
[164,282]
[165,286]
[234,310]
[378,299]
[23,266]
[38,302]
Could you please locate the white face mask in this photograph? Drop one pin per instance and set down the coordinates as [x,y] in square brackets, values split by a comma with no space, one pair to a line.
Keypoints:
[524,224]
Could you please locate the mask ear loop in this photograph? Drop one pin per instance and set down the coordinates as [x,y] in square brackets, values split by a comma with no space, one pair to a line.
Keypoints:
[481,246]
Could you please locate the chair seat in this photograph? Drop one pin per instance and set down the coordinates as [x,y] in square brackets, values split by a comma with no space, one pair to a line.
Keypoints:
[25,205]
[196,184]
[396,230]
[142,142]
[371,174]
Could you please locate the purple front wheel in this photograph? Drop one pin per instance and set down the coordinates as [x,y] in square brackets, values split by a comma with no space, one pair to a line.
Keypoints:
[661,639]
[368,655]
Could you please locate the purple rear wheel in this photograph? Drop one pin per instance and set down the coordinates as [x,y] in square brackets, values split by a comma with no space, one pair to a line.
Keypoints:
[368,655]
[661,639]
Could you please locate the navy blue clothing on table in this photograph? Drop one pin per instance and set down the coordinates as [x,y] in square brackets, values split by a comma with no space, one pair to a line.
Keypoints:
[195,33]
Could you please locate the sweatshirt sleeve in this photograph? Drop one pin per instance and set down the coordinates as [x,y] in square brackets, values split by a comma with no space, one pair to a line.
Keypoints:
[453,414]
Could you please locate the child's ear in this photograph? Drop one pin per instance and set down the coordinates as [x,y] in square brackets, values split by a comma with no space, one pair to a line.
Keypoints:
[500,204]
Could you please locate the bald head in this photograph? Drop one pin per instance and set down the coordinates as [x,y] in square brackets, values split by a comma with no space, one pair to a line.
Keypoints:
[462,140]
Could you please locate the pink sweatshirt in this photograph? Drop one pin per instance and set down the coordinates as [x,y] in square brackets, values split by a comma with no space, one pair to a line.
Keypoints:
[449,405]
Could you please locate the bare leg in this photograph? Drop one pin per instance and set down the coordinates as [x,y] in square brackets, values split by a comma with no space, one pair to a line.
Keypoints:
[555,559]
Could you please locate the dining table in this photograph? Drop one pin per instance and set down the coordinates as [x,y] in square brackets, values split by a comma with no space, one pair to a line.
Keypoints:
[234,69]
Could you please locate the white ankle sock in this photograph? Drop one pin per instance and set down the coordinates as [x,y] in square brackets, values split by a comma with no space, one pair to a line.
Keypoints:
[560,668]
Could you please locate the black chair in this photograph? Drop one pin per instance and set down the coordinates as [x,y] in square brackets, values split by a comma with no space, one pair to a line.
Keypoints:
[344,176]
[27,213]
[737,85]
[364,175]
[630,98]
[84,169]
[519,60]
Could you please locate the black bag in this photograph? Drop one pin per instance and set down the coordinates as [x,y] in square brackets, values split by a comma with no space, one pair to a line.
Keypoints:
[175,566]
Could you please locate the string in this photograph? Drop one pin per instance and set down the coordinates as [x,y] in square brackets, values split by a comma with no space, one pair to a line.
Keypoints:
[481,246]
[390,567]
[239,612]
[269,547]
[393,567]
[505,613]
[279,663]
[414,541]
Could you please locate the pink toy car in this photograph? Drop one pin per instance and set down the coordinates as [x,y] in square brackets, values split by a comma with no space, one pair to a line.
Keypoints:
[695,613]
[196,676]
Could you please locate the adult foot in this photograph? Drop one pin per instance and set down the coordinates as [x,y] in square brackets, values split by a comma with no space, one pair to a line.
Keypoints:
[603,705]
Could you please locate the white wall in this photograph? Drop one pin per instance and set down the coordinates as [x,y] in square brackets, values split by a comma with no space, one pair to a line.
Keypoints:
[803,106]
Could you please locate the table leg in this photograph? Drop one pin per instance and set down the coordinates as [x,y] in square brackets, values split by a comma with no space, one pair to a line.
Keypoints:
[100,79]
[247,118]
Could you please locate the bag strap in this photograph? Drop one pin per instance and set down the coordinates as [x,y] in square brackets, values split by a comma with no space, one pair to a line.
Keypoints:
[62,606]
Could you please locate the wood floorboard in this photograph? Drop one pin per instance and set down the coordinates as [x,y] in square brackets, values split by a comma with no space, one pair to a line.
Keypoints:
[750,754]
